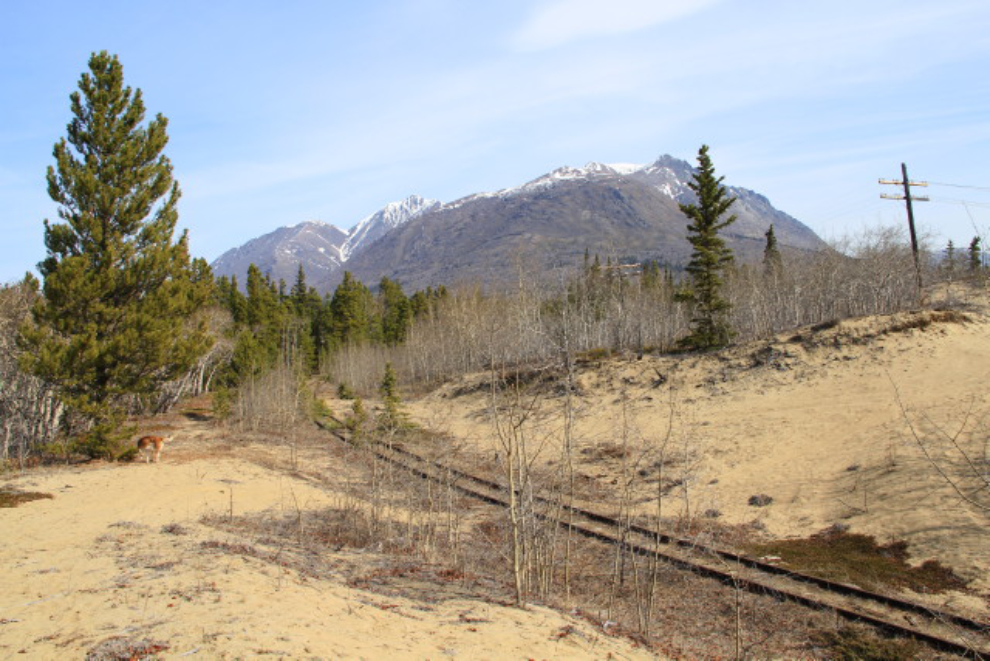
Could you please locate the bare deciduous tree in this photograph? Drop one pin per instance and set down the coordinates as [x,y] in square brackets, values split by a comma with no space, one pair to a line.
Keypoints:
[29,409]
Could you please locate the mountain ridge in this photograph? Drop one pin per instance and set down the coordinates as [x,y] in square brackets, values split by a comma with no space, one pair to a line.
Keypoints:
[629,210]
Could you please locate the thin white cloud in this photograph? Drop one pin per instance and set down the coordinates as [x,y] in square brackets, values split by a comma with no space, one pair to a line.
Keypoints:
[561,21]
[436,119]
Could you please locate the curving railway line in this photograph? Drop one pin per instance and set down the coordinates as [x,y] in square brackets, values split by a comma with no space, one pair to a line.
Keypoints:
[942,630]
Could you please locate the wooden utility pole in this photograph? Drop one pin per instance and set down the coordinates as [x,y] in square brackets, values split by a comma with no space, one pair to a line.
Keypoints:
[907,197]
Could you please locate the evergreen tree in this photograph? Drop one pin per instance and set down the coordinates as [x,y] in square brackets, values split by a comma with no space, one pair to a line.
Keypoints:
[305,303]
[344,391]
[709,257]
[975,255]
[323,327]
[950,259]
[419,304]
[391,417]
[300,293]
[263,308]
[228,296]
[357,420]
[650,278]
[773,263]
[250,357]
[349,318]
[118,292]
[396,312]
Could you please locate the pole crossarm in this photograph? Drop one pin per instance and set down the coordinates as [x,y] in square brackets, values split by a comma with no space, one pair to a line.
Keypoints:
[897,182]
[914,198]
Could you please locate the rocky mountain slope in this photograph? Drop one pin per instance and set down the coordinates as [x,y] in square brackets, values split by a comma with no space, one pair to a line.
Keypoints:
[315,245]
[321,248]
[627,212]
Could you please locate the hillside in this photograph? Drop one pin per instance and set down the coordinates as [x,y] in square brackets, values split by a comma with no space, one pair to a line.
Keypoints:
[817,420]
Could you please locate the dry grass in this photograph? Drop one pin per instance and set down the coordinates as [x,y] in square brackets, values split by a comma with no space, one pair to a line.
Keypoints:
[856,644]
[12,498]
[859,559]
[120,648]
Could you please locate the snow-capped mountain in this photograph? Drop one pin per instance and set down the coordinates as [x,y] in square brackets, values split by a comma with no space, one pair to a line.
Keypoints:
[628,211]
[379,223]
[668,174]
[321,248]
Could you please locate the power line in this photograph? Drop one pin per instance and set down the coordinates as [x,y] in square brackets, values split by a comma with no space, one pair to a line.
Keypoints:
[971,219]
[942,183]
[946,200]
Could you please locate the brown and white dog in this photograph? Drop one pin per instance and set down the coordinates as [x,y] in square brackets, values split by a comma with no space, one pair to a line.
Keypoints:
[152,446]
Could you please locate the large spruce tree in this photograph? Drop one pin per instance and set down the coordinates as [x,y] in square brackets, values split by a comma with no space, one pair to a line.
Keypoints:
[396,312]
[710,328]
[114,322]
[349,318]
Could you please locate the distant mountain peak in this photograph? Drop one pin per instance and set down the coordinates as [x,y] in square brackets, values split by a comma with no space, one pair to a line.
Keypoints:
[668,161]
[563,173]
[314,223]
[627,208]
[393,214]
[625,168]
[673,172]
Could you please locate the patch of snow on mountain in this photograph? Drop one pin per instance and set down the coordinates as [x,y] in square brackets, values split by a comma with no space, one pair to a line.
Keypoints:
[306,224]
[377,224]
[565,173]
[471,198]
[594,167]
[626,168]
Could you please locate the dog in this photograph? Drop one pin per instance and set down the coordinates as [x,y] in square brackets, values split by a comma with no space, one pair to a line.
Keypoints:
[151,446]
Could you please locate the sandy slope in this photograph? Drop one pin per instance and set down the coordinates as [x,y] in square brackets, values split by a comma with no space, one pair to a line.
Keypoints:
[813,422]
[95,563]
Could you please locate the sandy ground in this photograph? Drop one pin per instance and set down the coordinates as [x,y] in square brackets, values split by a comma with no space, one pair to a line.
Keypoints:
[118,552]
[813,422]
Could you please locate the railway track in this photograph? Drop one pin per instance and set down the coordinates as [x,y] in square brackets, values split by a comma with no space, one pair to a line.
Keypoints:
[942,630]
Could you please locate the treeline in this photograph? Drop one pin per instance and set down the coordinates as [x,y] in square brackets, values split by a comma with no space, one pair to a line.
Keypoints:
[551,318]
[349,336]
[272,322]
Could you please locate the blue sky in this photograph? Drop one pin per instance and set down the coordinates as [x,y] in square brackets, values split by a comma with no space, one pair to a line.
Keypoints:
[291,111]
